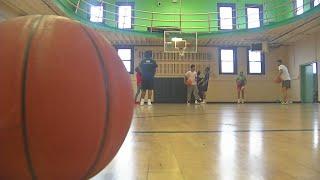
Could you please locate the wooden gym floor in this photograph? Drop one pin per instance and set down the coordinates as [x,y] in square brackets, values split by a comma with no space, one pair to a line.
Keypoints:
[220,141]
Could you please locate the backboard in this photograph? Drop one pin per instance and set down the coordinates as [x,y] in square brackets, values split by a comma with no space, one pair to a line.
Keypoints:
[180,42]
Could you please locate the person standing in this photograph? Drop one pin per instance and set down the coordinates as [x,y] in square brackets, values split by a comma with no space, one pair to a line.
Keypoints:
[285,78]
[148,70]
[205,83]
[241,83]
[190,81]
[139,82]
[199,79]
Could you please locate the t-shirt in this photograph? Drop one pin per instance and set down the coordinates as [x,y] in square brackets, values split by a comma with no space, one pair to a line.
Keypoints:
[148,68]
[285,73]
[241,80]
[206,79]
[139,78]
[192,76]
[199,79]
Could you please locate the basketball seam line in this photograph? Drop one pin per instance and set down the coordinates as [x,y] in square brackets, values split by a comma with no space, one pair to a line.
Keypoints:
[105,75]
[34,25]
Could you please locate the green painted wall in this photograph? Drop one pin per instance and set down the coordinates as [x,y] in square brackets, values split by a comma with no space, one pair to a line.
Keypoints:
[203,6]
[274,11]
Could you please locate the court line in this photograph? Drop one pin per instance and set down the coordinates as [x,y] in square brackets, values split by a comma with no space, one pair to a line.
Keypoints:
[220,131]
[201,114]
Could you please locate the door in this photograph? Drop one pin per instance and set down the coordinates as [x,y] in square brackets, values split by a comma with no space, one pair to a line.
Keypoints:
[307,83]
[315,82]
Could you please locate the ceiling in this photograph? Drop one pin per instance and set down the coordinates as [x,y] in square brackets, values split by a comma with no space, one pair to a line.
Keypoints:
[283,35]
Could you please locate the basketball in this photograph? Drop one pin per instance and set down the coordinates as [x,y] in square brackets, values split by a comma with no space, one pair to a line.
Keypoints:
[277,79]
[65,99]
[189,82]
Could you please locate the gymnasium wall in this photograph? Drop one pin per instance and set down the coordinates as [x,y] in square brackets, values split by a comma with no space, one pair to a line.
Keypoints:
[303,52]
[271,12]
[274,11]
[222,88]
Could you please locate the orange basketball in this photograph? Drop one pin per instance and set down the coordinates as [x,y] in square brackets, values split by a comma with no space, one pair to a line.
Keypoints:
[277,79]
[189,82]
[65,99]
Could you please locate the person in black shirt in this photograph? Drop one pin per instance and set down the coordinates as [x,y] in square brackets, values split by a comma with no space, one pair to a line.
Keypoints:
[205,83]
[148,70]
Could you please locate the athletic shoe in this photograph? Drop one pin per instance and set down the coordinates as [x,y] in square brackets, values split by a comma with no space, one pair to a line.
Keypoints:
[141,102]
[149,102]
[242,101]
[238,101]
[196,102]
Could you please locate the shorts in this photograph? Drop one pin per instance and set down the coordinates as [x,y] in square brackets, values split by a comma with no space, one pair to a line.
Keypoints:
[286,84]
[204,88]
[147,84]
[239,86]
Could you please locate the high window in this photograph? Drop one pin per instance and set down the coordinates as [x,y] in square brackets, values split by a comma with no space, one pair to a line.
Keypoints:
[96,13]
[299,7]
[254,16]
[315,3]
[125,14]
[226,16]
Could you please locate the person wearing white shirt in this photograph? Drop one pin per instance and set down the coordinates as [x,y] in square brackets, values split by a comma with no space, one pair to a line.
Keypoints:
[190,81]
[285,77]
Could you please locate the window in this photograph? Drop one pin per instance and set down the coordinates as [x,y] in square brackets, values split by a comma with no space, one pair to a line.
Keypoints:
[298,7]
[126,55]
[315,3]
[227,61]
[314,67]
[254,16]
[227,16]
[96,13]
[125,15]
[255,62]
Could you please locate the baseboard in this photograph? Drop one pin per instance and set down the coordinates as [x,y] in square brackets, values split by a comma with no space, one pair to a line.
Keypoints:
[251,102]
[247,102]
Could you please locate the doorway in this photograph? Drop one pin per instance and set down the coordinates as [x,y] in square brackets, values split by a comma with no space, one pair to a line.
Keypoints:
[309,83]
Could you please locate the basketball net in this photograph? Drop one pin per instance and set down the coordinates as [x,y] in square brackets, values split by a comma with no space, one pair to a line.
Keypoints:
[181,46]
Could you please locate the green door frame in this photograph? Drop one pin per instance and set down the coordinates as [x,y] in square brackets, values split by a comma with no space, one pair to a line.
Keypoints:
[307,82]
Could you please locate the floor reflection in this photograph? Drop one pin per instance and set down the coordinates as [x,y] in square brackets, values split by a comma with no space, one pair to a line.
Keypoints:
[227,146]
[228,142]
[315,135]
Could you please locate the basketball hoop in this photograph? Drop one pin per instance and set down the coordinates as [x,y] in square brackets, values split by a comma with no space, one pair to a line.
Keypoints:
[181,46]
[181,51]
[180,42]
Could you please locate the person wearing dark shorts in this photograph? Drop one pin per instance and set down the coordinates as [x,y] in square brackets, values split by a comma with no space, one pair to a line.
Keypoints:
[204,84]
[148,69]
[199,80]
[286,84]
[147,84]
